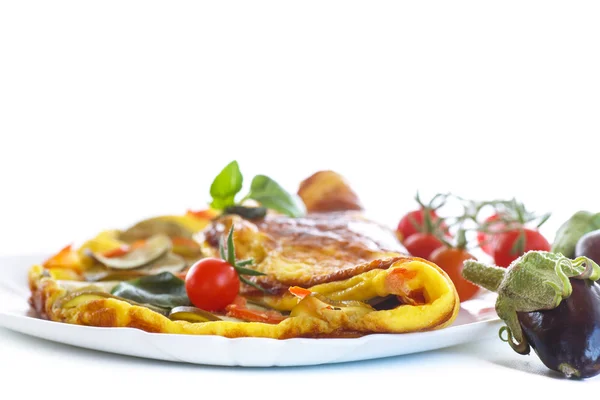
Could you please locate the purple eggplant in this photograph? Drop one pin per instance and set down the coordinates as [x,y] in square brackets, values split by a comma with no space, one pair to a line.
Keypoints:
[549,303]
[589,246]
[567,338]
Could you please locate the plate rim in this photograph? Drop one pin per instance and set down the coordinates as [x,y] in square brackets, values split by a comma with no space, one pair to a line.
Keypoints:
[366,337]
[22,321]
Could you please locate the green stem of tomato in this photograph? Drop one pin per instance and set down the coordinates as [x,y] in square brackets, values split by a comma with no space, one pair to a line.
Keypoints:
[461,239]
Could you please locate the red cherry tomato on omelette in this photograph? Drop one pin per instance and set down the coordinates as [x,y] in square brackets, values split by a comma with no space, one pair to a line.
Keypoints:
[406,227]
[212,284]
[506,247]
[451,261]
[422,245]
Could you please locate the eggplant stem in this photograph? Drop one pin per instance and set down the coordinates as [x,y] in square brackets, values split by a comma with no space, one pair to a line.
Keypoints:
[521,348]
[557,293]
[591,270]
[567,289]
[516,338]
[486,276]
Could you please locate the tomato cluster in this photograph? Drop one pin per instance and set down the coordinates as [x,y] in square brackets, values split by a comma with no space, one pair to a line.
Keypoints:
[422,231]
[505,235]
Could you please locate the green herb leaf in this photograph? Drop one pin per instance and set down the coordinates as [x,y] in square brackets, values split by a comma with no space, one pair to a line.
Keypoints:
[230,248]
[162,290]
[226,185]
[254,285]
[271,195]
[222,249]
[247,271]
[243,263]
[239,266]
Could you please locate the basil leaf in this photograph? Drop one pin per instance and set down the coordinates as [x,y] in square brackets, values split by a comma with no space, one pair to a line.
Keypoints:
[226,185]
[271,195]
[162,290]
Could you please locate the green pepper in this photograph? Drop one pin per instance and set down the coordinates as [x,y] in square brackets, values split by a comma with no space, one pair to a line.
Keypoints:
[572,230]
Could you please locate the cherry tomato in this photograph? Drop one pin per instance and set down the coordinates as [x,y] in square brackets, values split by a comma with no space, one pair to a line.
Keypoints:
[485,240]
[451,261]
[422,245]
[505,251]
[406,227]
[212,284]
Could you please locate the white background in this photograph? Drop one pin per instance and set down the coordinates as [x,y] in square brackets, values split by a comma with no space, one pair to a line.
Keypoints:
[116,110]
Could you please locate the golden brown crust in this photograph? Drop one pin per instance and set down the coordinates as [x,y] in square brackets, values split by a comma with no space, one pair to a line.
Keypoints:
[307,251]
[101,315]
[278,287]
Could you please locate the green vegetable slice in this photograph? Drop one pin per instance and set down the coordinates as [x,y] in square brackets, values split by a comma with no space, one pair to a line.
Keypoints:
[168,263]
[192,314]
[162,290]
[154,226]
[82,296]
[154,248]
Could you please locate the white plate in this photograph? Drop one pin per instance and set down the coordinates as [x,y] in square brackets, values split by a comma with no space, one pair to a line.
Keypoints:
[15,314]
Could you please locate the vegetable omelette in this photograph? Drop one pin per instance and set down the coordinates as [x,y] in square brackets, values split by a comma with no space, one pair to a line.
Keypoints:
[313,266]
